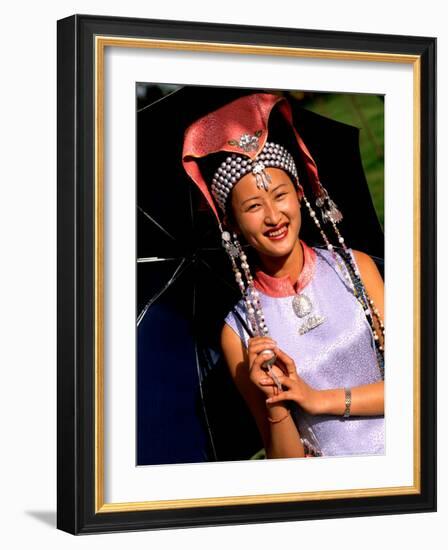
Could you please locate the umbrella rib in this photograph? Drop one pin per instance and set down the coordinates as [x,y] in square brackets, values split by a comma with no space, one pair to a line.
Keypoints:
[181,267]
[159,100]
[198,369]
[152,259]
[214,272]
[157,224]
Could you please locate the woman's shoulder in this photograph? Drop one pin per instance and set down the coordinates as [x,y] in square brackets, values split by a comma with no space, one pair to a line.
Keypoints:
[236,309]
[328,256]
[236,319]
[364,262]
[371,278]
[361,258]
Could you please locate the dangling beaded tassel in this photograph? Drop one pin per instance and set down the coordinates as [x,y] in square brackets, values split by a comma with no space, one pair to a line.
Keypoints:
[328,208]
[364,298]
[250,294]
[329,246]
[366,301]
[354,278]
[252,297]
[376,314]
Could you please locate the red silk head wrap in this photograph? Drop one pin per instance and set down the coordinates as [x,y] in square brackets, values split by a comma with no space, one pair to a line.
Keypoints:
[222,130]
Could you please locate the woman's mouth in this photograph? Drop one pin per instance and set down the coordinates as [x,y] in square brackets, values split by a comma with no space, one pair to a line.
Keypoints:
[278,233]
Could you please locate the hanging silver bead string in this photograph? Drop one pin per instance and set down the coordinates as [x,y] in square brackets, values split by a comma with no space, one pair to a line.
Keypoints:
[246,284]
[365,301]
[357,274]
[329,246]
[250,294]
[330,213]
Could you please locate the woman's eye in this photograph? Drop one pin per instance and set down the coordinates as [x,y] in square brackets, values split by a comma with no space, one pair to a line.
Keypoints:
[280,195]
[253,206]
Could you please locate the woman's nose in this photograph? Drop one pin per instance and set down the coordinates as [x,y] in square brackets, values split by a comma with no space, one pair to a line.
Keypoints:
[272,214]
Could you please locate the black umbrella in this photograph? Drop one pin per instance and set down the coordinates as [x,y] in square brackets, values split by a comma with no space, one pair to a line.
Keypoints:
[188,409]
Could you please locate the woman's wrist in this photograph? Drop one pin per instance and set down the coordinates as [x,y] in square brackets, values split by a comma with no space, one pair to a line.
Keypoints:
[276,411]
[332,402]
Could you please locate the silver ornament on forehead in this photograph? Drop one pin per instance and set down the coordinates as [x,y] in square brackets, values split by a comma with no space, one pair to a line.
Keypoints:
[262,178]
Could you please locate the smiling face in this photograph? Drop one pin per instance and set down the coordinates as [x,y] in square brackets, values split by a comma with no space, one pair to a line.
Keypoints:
[269,220]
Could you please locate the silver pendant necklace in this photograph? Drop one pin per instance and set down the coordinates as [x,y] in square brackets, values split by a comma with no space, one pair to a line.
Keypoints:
[302,306]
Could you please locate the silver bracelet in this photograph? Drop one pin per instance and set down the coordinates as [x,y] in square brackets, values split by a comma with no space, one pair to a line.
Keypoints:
[348,402]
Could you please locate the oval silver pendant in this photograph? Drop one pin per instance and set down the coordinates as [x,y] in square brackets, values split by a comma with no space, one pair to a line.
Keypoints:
[301,305]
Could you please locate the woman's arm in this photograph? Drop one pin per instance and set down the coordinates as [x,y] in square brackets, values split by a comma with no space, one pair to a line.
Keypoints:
[281,438]
[367,400]
[372,281]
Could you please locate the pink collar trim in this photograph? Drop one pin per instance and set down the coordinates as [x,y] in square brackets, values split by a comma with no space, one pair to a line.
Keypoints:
[279,287]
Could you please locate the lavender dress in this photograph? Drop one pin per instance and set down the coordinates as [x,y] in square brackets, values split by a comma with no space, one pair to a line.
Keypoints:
[337,353]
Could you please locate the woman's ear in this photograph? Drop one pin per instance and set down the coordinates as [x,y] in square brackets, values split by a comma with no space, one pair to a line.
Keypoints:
[300,193]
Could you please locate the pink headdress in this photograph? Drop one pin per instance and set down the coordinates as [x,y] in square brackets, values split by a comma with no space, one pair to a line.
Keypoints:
[240,128]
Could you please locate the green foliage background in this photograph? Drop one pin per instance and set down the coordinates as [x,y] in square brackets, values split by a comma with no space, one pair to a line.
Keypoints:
[366,112]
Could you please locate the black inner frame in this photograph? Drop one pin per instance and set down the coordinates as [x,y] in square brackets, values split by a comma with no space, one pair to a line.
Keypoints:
[76,406]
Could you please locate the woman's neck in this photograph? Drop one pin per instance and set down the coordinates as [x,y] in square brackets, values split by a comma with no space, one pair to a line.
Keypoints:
[291,264]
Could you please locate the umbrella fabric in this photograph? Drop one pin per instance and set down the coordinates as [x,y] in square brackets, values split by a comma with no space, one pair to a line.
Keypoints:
[186,402]
[188,409]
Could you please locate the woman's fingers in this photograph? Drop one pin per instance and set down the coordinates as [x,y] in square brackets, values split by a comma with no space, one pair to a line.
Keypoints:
[289,368]
[261,345]
[284,380]
[258,369]
[286,360]
[258,361]
[281,396]
[253,342]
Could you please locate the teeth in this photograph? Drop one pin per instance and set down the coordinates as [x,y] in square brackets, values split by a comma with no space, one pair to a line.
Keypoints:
[277,233]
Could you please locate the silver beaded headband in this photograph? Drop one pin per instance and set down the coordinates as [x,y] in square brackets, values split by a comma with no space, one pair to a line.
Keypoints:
[235,167]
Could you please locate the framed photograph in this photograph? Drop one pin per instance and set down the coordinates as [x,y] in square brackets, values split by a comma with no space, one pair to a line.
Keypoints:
[228,194]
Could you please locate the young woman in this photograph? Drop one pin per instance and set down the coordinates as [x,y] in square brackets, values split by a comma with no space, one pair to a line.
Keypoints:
[305,344]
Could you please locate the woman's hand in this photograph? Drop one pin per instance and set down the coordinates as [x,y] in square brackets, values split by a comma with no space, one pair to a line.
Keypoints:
[260,349]
[297,390]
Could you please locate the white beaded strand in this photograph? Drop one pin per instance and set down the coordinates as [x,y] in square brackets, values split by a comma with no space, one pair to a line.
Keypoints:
[362,296]
[356,271]
[325,239]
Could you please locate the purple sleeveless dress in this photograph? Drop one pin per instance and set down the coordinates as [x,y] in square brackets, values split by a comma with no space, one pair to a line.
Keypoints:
[339,352]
